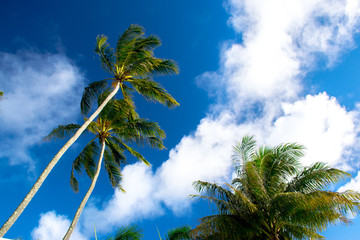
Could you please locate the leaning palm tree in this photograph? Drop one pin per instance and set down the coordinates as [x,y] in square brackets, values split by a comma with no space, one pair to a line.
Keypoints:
[273,197]
[132,65]
[116,127]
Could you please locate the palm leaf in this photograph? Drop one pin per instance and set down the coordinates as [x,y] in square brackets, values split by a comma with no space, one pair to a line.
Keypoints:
[179,233]
[131,232]
[90,94]
[152,91]
[62,132]
[84,160]
[315,177]
[113,170]
[106,54]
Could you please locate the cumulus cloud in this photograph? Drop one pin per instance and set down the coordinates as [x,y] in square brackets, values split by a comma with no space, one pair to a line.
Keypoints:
[41,90]
[353,184]
[125,208]
[53,226]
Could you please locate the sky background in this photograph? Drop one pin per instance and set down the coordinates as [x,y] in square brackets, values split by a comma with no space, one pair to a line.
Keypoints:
[281,70]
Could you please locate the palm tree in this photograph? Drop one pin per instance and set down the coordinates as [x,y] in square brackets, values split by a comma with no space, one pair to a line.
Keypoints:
[272,197]
[178,233]
[117,126]
[132,65]
[132,232]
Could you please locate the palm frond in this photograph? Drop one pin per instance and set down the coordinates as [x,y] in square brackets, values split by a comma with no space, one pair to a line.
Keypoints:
[179,233]
[113,170]
[152,91]
[90,94]
[106,54]
[126,42]
[166,67]
[84,160]
[315,177]
[117,152]
[131,232]
[62,132]
[130,150]
[243,151]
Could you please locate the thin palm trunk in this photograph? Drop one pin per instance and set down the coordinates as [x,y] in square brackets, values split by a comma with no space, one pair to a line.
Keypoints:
[87,195]
[7,225]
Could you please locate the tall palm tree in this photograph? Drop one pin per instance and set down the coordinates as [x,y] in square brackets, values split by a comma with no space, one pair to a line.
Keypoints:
[273,197]
[117,126]
[132,65]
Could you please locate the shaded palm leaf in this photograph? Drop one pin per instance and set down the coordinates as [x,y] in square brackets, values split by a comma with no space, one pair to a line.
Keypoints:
[62,132]
[84,160]
[154,92]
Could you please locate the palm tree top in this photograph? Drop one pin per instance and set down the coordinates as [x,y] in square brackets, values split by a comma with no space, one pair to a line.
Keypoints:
[118,125]
[132,65]
[273,197]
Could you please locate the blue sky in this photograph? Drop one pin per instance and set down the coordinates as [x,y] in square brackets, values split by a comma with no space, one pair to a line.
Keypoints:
[281,70]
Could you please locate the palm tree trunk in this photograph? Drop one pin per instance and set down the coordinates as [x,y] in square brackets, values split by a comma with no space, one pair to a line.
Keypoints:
[87,195]
[52,163]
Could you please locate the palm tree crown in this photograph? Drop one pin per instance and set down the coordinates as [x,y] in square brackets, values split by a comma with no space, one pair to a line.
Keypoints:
[272,197]
[132,64]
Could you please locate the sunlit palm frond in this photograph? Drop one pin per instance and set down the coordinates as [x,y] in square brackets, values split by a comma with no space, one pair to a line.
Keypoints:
[106,54]
[179,233]
[315,177]
[62,132]
[126,42]
[131,232]
[243,151]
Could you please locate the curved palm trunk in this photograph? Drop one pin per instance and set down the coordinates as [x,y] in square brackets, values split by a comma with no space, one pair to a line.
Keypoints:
[87,195]
[52,163]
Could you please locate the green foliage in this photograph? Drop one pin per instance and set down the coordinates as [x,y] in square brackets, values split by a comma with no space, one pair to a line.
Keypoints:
[273,197]
[131,232]
[131,64]
[118,126]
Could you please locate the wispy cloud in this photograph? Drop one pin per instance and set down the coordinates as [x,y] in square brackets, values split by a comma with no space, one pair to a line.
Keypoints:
[261,93]
[41,90]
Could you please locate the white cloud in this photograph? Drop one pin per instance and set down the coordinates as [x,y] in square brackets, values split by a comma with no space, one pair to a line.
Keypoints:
[53,226]
[121,209]
[354,184]
[282,41]
[319,123]
[42,91]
